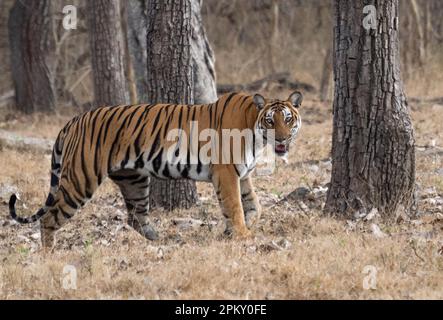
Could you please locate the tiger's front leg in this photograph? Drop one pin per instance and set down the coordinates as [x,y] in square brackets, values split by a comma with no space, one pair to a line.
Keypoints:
[227,187]
[251,205]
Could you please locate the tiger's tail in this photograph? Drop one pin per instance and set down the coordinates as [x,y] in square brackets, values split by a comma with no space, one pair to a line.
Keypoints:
[55,178]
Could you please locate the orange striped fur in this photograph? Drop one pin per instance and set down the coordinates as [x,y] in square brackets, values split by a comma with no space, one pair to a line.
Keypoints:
[129,144]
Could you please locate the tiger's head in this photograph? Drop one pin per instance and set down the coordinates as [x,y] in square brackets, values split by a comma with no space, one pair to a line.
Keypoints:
[282,117]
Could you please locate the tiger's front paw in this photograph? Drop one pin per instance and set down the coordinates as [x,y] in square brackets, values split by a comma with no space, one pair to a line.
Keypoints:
[244,234]
[149,232]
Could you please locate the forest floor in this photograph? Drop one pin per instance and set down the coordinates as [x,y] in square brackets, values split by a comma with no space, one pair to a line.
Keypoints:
[298,252]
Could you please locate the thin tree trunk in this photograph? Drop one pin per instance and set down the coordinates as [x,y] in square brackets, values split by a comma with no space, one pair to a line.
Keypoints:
[31,38]
[427,30]
[107,49]
[136,11]
[170,80]
[271,47]
[373,157]
[326,75]
[419,46]
[205,88]
[130,75]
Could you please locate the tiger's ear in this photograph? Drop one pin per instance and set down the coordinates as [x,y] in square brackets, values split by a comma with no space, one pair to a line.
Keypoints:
[259,101]
[296,99]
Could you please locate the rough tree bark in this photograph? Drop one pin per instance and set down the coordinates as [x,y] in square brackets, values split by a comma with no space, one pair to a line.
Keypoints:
[31,38]
[203,57]
[180,68]
[373,157]
[107,51]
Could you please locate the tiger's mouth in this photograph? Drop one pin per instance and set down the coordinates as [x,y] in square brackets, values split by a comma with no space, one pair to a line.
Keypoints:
[281,149]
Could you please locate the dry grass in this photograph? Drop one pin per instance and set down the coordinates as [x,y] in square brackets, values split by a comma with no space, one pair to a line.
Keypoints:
[319,257]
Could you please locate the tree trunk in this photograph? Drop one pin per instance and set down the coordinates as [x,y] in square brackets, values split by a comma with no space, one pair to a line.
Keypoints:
[373,157]
[129,70]
[273,45]
[326,75]
[205,89]
[107,52]
[136,11]
[418,34]
[436,21]
[170,80]
[31,38]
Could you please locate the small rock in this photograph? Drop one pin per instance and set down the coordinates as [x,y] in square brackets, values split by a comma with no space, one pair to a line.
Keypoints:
[314,168]
[23,238]
[351,225]
[123,264]
[117,215]
[428,193]
[327,164]
[320,191]
[432,143]
[160,253]
[187,223]
[360,214]
[190,223]
[376,231]
[299,193]
[303,206]
[436,201]
[284,243]
[371,215]
[35,236]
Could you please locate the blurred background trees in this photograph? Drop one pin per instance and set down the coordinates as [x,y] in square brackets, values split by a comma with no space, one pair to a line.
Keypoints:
[251,40]
[32,52]
[107,52]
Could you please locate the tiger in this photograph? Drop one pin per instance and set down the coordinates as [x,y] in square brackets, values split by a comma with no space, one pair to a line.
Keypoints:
[129,144]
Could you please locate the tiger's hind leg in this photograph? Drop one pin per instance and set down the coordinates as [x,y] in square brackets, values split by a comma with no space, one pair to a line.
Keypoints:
[61,208]
[251,205]
[135,191]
